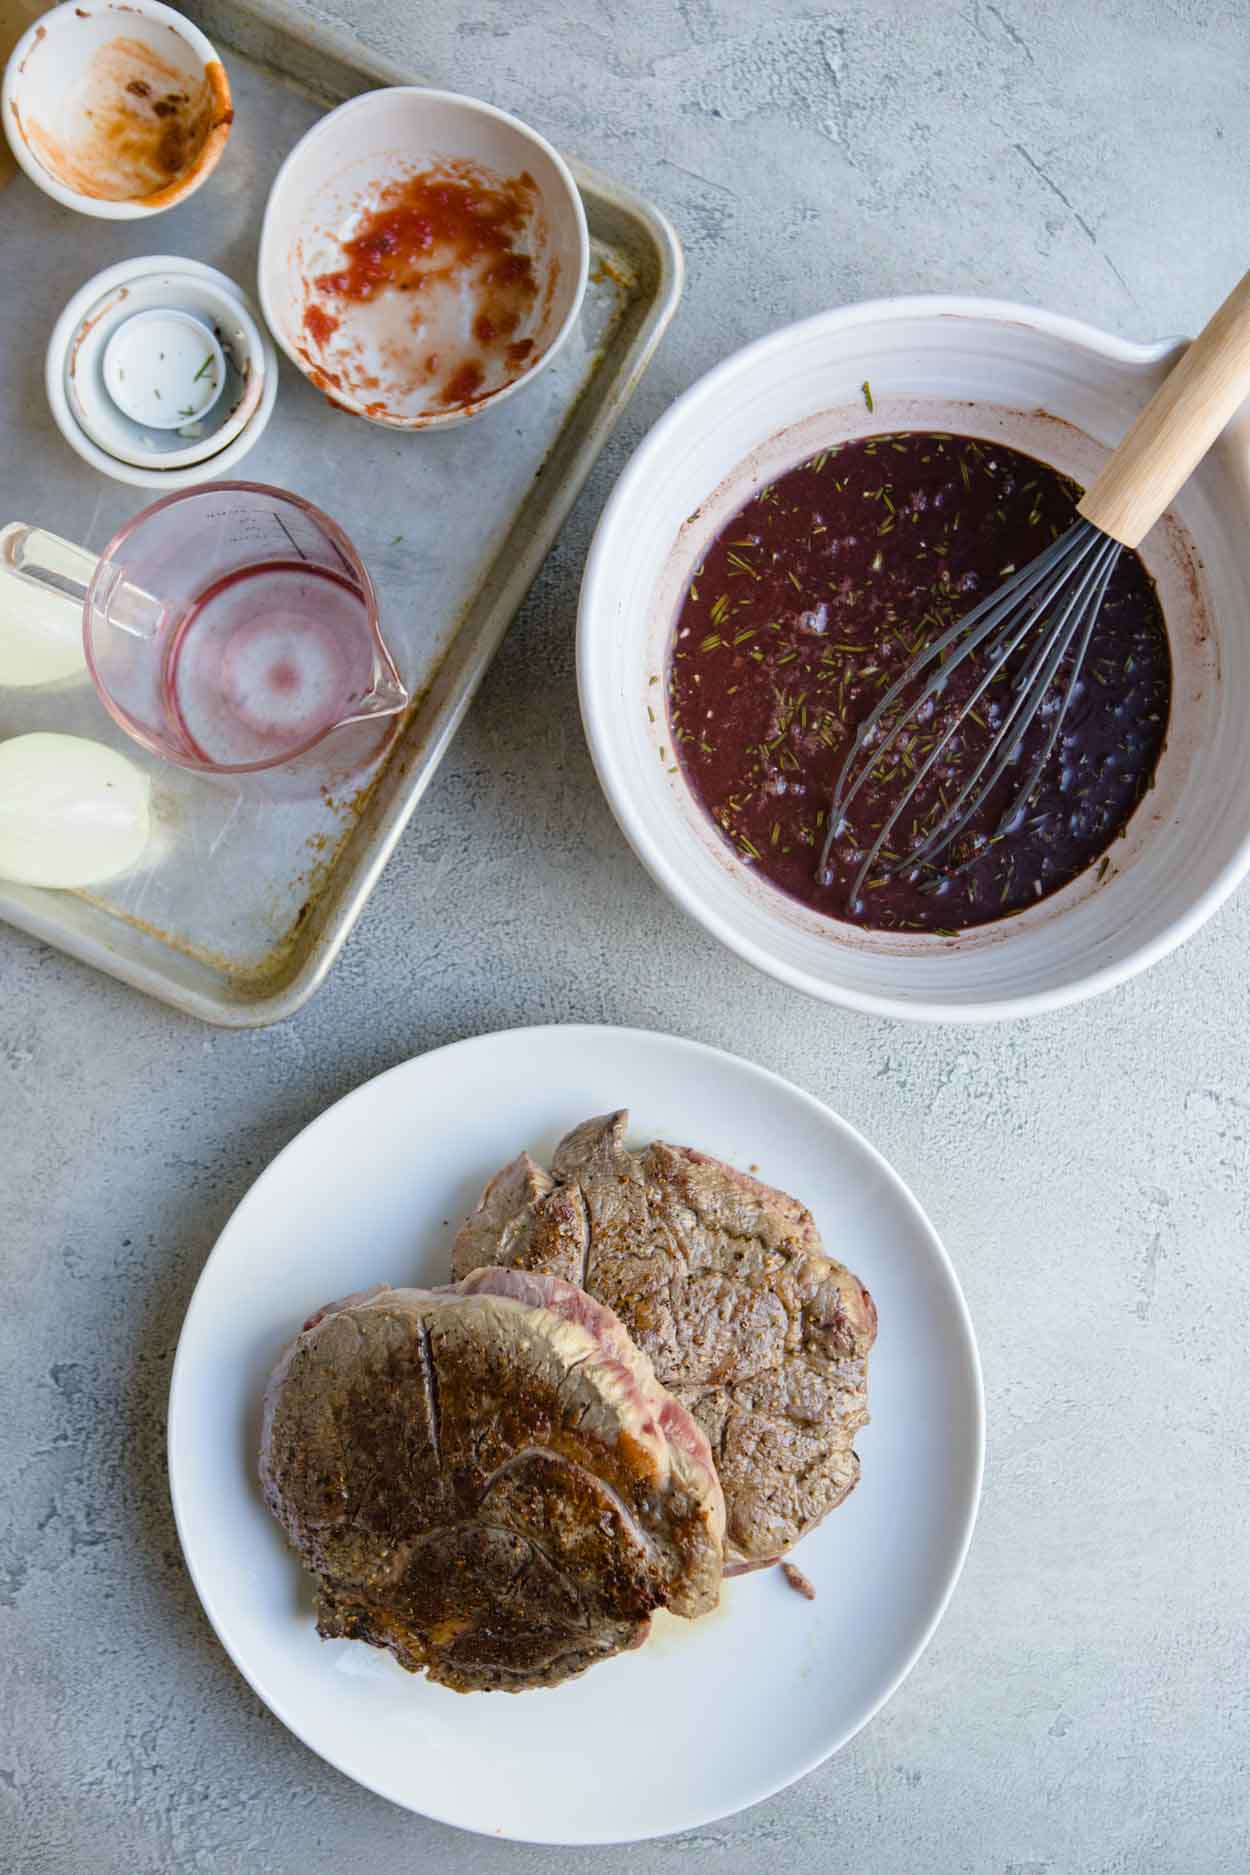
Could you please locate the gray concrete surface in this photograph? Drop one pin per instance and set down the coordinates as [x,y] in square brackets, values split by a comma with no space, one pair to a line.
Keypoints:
[1084,1706]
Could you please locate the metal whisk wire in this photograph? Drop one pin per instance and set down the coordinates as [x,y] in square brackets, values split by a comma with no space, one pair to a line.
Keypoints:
[1081,615]
[1058,594]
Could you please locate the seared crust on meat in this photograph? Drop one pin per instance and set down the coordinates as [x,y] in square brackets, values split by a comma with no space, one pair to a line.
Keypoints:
[488,1481]
[724,1283]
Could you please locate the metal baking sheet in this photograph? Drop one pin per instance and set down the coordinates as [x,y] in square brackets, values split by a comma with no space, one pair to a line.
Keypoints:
[244,899]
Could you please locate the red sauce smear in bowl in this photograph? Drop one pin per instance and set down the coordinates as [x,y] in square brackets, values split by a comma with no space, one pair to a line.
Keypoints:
[451,222]
[811,602]
[319,325]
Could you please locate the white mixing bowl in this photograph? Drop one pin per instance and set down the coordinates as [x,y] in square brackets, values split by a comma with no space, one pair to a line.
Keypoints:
[1061,391]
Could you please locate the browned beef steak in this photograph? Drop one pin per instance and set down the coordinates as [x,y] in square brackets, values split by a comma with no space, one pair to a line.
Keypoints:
[724,1283]
[488,1480]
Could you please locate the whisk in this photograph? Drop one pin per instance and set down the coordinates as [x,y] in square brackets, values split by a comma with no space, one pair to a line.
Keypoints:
[1044,615]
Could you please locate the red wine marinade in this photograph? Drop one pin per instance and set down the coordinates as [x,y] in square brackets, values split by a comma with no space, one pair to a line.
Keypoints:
[807,607]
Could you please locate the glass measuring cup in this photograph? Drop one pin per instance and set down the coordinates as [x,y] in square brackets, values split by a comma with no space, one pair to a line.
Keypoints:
[228,628]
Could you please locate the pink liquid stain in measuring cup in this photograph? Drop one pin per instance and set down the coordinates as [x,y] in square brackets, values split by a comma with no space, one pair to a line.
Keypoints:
[266,660]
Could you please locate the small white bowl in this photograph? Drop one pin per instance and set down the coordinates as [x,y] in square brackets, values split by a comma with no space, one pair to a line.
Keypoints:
[392,360]
[118,109]
[164,369]
[1056,389]
[102,433]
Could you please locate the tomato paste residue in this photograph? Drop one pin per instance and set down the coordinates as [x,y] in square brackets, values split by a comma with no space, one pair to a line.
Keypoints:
[464,386]
[147,128]
[319,325]
[451,229]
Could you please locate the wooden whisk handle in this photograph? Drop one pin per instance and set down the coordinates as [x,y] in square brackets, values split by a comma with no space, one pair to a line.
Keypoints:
[1177,427]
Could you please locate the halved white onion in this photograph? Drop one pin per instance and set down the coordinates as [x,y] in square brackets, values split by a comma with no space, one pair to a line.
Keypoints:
[72,812]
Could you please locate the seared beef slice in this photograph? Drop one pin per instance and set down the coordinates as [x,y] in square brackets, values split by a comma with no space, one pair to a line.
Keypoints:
[488,1481]
[724,1283]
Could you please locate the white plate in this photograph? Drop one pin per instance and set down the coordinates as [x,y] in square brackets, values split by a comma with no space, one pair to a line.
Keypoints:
[711,1715]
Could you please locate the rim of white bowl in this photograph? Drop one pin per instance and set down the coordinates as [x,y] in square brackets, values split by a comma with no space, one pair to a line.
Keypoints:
[599,719]
[446,419]
[135,475]
[24,156]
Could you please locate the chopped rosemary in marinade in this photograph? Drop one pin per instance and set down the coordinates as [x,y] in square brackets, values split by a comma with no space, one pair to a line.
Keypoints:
[800,620]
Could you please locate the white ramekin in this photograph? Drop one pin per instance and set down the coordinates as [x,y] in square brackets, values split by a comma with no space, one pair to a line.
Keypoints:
[75,386]
[48,90]
[1055,388]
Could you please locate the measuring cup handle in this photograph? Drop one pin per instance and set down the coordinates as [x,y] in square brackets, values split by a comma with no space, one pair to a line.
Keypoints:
[45,560]
[66,572]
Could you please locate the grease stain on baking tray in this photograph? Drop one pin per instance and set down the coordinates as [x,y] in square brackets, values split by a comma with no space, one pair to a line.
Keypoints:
[290,931]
